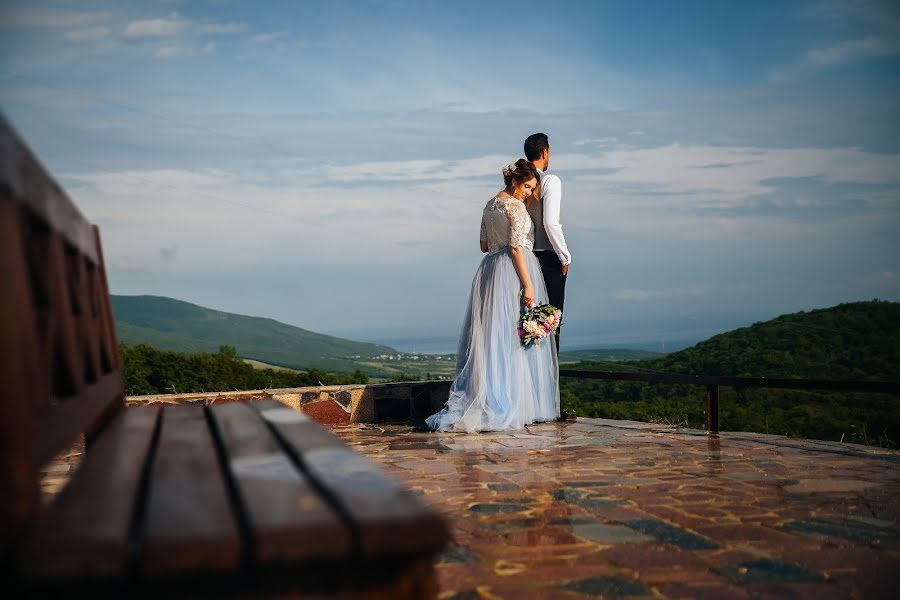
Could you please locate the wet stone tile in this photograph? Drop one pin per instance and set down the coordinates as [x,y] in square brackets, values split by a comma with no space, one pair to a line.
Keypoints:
[504,487]
[643,510]
[584,484]
[572,521]
[672,535]
[512,524]
[609,533]
[748,476]
[583,499]
[608,587]
[458,554]
[764,571]
[847,529]
[490,508]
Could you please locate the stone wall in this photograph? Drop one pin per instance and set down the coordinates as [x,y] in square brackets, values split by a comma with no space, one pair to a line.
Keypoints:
[334,403]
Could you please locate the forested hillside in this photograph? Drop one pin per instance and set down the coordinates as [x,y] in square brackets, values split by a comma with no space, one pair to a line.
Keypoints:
[148,370]
[859,340]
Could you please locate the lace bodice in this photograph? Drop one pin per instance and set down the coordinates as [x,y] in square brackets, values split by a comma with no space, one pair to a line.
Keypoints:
[505,222]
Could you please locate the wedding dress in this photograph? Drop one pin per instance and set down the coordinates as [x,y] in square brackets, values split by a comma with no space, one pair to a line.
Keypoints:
[501,384]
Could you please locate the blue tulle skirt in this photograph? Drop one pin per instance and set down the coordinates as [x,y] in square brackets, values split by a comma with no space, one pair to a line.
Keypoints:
[500,384]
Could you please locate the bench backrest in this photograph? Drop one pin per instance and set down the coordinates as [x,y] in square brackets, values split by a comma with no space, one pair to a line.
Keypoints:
[59,364]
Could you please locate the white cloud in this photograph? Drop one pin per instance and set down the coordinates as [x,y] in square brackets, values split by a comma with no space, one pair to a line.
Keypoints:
[264,38]
[849,51]
[175,51]
[155,28]
[90,34]
[880,13]
[220,28]
[168,52]
[687,175]
[50,19]
[603,141]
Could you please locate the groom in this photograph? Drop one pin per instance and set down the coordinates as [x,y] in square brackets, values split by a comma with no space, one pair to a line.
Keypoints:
[549,241]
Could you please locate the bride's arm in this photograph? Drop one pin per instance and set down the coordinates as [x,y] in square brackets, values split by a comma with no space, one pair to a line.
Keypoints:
[518,233]
[518,258]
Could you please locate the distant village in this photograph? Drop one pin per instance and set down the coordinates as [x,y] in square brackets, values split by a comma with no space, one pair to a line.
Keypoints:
[402,357]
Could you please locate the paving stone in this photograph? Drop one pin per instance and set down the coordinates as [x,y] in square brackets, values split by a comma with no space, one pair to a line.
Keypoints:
[458,554]
[504,487]
[672,535]
[581,498]
[594,507]
[608,587]
[847,529]
[512,524]
[609,534]
[497,507]
[768,571]
[581,484]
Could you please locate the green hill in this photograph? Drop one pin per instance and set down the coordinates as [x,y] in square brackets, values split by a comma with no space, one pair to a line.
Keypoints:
[171,324]
[859,340]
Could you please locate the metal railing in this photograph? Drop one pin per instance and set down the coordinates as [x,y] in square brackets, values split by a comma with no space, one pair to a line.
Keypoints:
[713,382]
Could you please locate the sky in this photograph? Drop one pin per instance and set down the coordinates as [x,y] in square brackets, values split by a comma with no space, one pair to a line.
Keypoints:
[326,163]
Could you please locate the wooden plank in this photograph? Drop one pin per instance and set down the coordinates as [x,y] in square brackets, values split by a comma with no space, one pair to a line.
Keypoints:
[86,531]
[288,519]
[61,423]
[189,520]
[389,519]
[28,183]
[20,377]
[105,329]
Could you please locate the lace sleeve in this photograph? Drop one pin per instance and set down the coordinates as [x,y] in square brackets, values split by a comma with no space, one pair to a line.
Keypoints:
[483,235]
[518,224]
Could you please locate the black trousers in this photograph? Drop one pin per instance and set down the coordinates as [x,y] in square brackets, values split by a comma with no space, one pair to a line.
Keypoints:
[551,268]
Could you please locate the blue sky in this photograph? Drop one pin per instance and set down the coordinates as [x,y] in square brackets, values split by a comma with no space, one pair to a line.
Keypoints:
[326,163]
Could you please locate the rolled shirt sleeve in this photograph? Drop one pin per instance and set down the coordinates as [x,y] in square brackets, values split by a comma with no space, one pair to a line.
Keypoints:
[551,198]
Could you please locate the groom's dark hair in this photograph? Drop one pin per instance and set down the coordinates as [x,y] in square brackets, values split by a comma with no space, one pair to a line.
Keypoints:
[535,144]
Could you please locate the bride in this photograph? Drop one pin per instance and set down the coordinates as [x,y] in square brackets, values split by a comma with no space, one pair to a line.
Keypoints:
[501,384]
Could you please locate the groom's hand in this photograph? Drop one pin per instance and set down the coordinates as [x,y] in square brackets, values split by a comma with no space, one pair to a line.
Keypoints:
[565,269]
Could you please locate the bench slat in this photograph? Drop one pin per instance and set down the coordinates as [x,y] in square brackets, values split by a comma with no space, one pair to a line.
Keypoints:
[289,520]
[62,422]
[189,520]
[25,180]
[389,518]
[86,530]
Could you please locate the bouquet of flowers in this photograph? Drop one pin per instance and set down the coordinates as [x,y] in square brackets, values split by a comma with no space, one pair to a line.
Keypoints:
[538,322]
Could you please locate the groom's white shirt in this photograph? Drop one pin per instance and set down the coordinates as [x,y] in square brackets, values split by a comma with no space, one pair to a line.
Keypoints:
[551,199]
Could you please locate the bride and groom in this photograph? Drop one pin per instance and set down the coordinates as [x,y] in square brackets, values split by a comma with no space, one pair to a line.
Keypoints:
[501,383]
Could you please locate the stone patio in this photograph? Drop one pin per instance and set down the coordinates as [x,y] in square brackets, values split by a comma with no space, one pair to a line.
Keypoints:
[600,508]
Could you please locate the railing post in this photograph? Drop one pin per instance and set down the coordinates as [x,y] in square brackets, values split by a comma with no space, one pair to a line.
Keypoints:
[712,409]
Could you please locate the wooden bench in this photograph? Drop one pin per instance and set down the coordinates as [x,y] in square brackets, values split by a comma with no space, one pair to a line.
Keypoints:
[233,499]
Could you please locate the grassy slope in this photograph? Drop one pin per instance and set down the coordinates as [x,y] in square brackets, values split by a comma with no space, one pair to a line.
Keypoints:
[175,325]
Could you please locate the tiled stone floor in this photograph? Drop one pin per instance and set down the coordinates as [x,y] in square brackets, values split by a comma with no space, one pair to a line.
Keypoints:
[598,508]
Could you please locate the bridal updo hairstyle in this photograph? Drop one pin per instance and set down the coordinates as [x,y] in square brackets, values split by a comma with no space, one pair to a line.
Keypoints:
[521,171]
